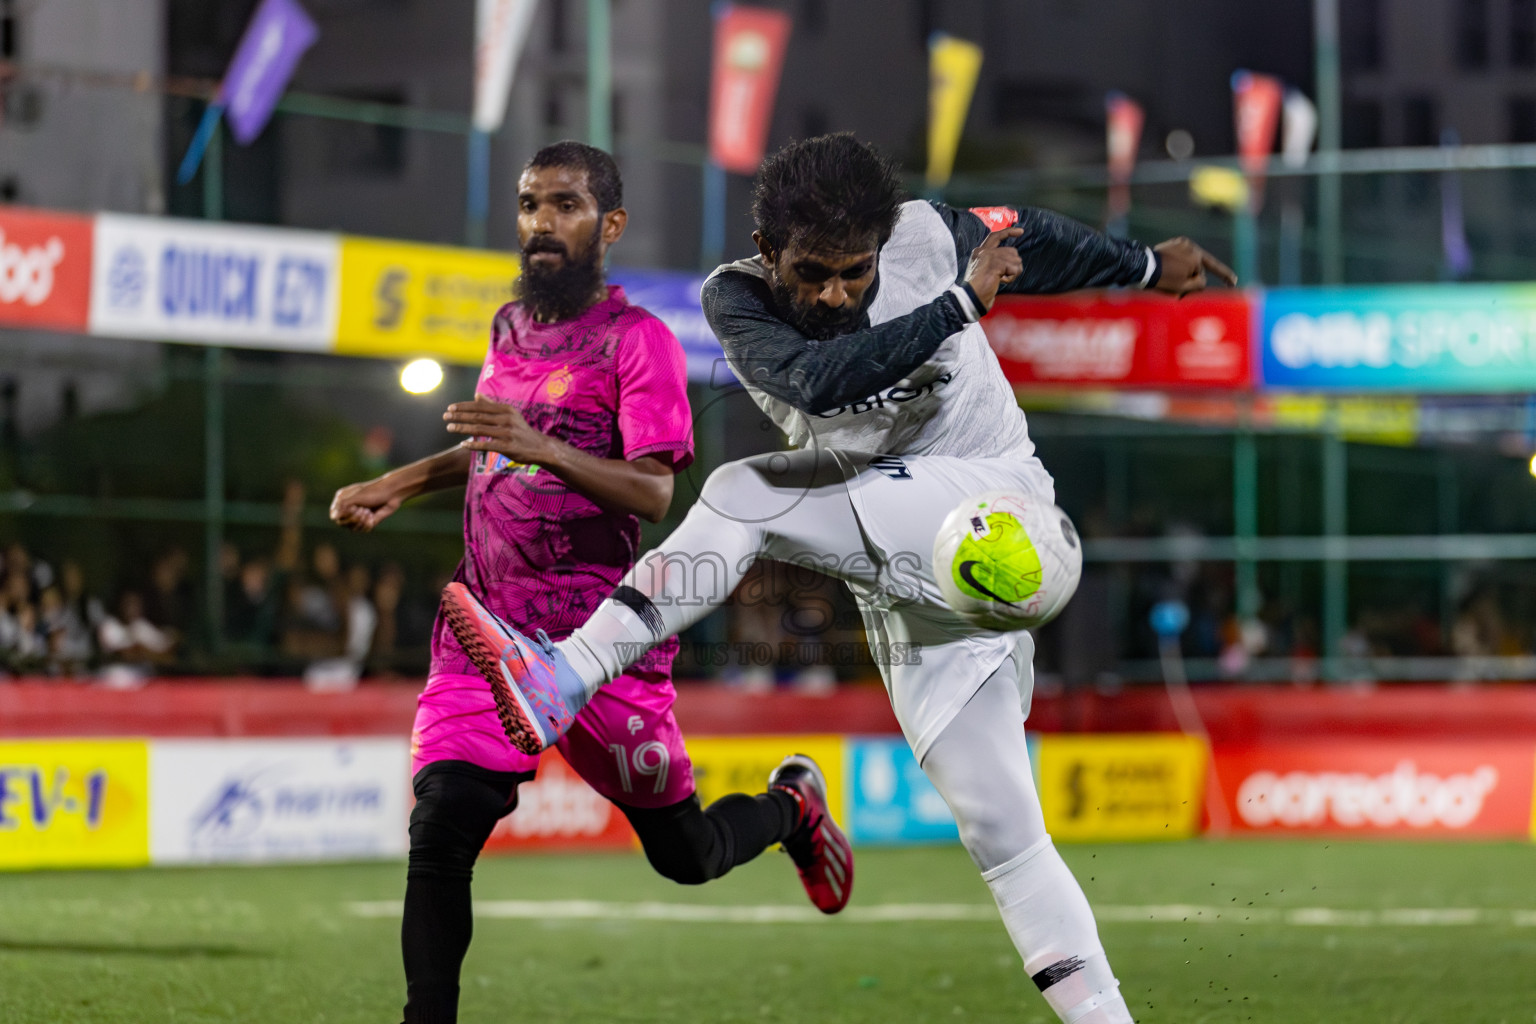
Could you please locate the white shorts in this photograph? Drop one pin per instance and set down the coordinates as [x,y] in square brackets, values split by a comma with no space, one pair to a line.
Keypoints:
[931,659]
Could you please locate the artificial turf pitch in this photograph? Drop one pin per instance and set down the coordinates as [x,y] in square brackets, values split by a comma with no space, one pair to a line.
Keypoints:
[1309,931]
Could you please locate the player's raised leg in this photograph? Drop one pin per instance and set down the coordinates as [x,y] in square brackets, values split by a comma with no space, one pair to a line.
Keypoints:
[980,765]
[788,506]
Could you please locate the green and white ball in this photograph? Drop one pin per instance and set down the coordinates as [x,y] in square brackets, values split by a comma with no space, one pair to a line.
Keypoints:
[1007,560]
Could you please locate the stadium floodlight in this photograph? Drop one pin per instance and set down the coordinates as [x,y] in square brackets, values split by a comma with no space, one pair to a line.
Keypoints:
[1532,466]
[421,375]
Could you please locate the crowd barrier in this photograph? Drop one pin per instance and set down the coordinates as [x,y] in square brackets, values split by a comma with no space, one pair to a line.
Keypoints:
[181,773]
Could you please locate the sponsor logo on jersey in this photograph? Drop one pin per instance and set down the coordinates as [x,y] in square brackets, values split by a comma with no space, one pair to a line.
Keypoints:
[898,395]
[891,466]
[558,383]
[997,217]
[495,462]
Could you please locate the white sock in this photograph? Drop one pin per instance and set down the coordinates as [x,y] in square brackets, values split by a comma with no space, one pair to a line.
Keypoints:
[1052,927]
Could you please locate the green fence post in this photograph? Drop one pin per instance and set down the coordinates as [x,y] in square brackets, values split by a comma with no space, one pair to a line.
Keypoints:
[1245,515]
[600,74]
[1335,568]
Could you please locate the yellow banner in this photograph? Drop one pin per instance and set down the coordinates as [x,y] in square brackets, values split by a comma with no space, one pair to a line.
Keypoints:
[75,803]
[1145,786]
[742,764]
[953,65]
[399,299]
[1368,418]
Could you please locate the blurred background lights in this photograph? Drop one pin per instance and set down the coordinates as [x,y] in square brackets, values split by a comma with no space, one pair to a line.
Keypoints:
[421,375]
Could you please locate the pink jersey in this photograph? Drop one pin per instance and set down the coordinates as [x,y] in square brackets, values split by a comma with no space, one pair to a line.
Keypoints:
[611,382]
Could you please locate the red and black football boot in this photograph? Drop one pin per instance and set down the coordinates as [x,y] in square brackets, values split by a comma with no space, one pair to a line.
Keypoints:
[819,848]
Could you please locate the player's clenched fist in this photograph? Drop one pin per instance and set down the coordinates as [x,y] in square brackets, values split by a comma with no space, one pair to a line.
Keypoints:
[494,427]
[1185,265]
[993,264]
[363,506]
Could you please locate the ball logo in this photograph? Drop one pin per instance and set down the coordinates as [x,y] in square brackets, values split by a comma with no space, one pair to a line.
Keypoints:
[1404,796]
[26,275]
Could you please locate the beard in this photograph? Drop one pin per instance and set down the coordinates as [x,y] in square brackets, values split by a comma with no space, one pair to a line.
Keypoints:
[563,290]
[817,322]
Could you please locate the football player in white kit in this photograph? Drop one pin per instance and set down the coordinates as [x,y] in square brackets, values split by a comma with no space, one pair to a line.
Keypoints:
[855,329]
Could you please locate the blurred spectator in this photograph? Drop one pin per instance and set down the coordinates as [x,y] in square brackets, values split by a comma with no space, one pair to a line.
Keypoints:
[387,592]
[169,600]
[132,646]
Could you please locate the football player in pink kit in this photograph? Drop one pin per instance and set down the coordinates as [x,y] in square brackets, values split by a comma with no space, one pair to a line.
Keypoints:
[580,420]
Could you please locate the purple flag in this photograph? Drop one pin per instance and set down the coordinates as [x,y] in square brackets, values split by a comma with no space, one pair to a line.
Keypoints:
[279,33]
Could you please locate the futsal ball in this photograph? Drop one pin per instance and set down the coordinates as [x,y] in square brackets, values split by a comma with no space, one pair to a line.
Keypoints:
[1007,560]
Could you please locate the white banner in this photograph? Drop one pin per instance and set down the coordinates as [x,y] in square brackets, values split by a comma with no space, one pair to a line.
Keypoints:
[501,26]
[277,800]
[209,283]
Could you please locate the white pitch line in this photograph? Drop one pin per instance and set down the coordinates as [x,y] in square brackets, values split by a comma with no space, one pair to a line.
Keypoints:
[885,913]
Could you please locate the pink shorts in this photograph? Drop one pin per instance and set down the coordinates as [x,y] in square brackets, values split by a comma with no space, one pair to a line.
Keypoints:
[625,743]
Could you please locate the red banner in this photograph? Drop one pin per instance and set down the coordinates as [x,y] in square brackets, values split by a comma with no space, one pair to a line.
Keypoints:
[1379,787]
[1123,118]
[748,56]
[559,811]
[1256,108]
[45,269]
[1121,339]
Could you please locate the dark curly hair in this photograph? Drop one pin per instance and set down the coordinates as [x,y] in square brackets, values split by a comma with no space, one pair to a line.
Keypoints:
[832,192]
[603,179]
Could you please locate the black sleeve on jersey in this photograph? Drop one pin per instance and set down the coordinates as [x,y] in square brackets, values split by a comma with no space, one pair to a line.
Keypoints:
[818,376]
[1060,254]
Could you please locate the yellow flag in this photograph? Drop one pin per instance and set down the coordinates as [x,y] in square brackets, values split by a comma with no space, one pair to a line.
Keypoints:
[953,65]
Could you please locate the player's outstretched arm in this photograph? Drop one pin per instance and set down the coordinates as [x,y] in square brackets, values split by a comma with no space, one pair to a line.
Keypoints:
[1059,254]
[819,376]
[640,486]
[362,506]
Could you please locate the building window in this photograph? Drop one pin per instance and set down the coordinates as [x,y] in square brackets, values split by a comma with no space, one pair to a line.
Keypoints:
[1520,119]
[1420,124]
[1471,34]
[813,16]
[559,26]
[1362,124]
[1360,34]
[9,32]
[1522,33]
[355,149]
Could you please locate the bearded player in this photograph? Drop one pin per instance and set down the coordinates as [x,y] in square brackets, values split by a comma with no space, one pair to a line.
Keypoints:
[579,423]
[855,331]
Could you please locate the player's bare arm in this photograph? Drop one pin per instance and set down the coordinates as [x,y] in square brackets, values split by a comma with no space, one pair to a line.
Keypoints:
[363,506]
[1185,266]
[641,486]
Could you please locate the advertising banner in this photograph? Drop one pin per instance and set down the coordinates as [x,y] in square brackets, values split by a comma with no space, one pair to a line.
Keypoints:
[1132,786]
[673,297]
[218,284]
[748,57]
[1124,339]
[412,300]
[1447,338]
[891,800]
[742,764]
[558,810]
[1123,119]
[247,800]
[45,269]
[81,803]
[1401,788]
[500,28]
[1256,103]
[954,64]
[277,36]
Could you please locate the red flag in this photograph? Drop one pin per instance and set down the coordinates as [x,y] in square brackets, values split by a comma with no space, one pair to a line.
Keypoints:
[1256,105]
[748,56]
[1123,119]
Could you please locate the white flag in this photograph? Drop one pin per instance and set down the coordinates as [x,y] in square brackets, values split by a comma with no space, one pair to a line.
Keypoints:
[501,26]
[1298,128]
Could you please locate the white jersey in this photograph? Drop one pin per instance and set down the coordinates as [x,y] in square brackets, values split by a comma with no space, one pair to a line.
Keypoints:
[957,403]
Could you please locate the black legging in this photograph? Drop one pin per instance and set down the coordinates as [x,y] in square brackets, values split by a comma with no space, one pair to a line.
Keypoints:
[457,806]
